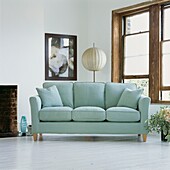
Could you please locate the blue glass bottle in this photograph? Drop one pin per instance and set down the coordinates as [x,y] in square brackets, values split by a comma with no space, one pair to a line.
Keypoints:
[23,125]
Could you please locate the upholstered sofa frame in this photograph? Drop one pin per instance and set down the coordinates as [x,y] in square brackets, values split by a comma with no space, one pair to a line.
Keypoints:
[94,95]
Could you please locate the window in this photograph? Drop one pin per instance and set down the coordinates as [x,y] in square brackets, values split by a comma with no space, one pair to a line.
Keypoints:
[141,48]
[136,31]
[165,53]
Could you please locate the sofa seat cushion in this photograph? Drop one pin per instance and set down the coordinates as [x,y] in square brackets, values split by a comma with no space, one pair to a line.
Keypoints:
[88,113]
[54,114]
[122,114]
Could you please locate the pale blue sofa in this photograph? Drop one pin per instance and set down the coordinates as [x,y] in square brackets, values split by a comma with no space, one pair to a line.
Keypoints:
[89,108]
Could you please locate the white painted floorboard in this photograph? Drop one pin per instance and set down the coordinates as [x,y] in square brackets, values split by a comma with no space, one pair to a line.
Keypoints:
[77,152]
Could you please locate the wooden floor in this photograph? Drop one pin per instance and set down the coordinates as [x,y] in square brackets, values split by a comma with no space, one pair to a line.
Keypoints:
[75,152]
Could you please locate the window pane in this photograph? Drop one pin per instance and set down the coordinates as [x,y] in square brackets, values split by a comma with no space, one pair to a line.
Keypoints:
[166,63]
[137,23]
[166,24]
[136,54]
[141,83]
[165,95]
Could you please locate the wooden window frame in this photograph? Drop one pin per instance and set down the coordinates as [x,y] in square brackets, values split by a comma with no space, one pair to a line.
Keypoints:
[154,45]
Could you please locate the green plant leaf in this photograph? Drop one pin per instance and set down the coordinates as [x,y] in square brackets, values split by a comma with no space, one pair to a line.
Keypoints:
[168,138]
[165,130]
[157,122]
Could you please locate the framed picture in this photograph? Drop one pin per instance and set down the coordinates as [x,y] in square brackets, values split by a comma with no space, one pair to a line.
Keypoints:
[60,57]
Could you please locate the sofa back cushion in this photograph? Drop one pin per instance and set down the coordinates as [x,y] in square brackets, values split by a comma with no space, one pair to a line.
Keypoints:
[65,90]
[89,94]
[114,92]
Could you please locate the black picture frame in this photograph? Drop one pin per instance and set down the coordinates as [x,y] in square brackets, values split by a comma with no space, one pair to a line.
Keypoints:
[60,57]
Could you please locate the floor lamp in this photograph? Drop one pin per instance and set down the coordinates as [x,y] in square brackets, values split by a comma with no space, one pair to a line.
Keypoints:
[94,59]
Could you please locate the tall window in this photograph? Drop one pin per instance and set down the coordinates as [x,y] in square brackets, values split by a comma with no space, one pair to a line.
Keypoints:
[141,48]
[165,53]
[136,50]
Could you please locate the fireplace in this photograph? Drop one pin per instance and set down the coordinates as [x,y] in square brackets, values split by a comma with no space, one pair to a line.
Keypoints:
[8,111]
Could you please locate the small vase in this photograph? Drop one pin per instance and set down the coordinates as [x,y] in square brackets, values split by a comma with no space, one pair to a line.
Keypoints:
[23,126]
[163,137]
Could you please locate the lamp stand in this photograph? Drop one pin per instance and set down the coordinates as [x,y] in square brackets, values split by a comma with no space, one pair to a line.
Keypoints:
[94,76]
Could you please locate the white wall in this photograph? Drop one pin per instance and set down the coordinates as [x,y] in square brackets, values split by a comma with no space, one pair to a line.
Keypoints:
[22,27]
[22,57]
[99,28]
[69,17]
[0,29]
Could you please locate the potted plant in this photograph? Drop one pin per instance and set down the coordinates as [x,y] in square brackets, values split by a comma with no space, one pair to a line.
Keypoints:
[160,122]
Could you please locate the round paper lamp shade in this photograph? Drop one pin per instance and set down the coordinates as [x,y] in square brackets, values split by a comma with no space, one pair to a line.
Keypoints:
[94,59]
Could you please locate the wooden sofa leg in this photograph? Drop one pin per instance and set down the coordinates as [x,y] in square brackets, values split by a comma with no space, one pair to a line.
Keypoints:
[144,137]
[40,137]
[35,137]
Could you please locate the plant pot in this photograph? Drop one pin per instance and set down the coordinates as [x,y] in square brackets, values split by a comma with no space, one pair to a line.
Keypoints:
[163,137]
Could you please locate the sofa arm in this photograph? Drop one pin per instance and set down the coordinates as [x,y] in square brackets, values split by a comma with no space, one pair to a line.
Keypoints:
[35,103]
[143,106]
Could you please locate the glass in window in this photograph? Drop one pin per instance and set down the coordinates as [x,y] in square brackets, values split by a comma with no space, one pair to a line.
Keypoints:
[166,63]
[166,24]
[141,83]
[136,54]
[166,95]
[137,23]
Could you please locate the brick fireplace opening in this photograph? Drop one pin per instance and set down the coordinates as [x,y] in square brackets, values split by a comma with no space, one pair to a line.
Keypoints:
[8,111]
